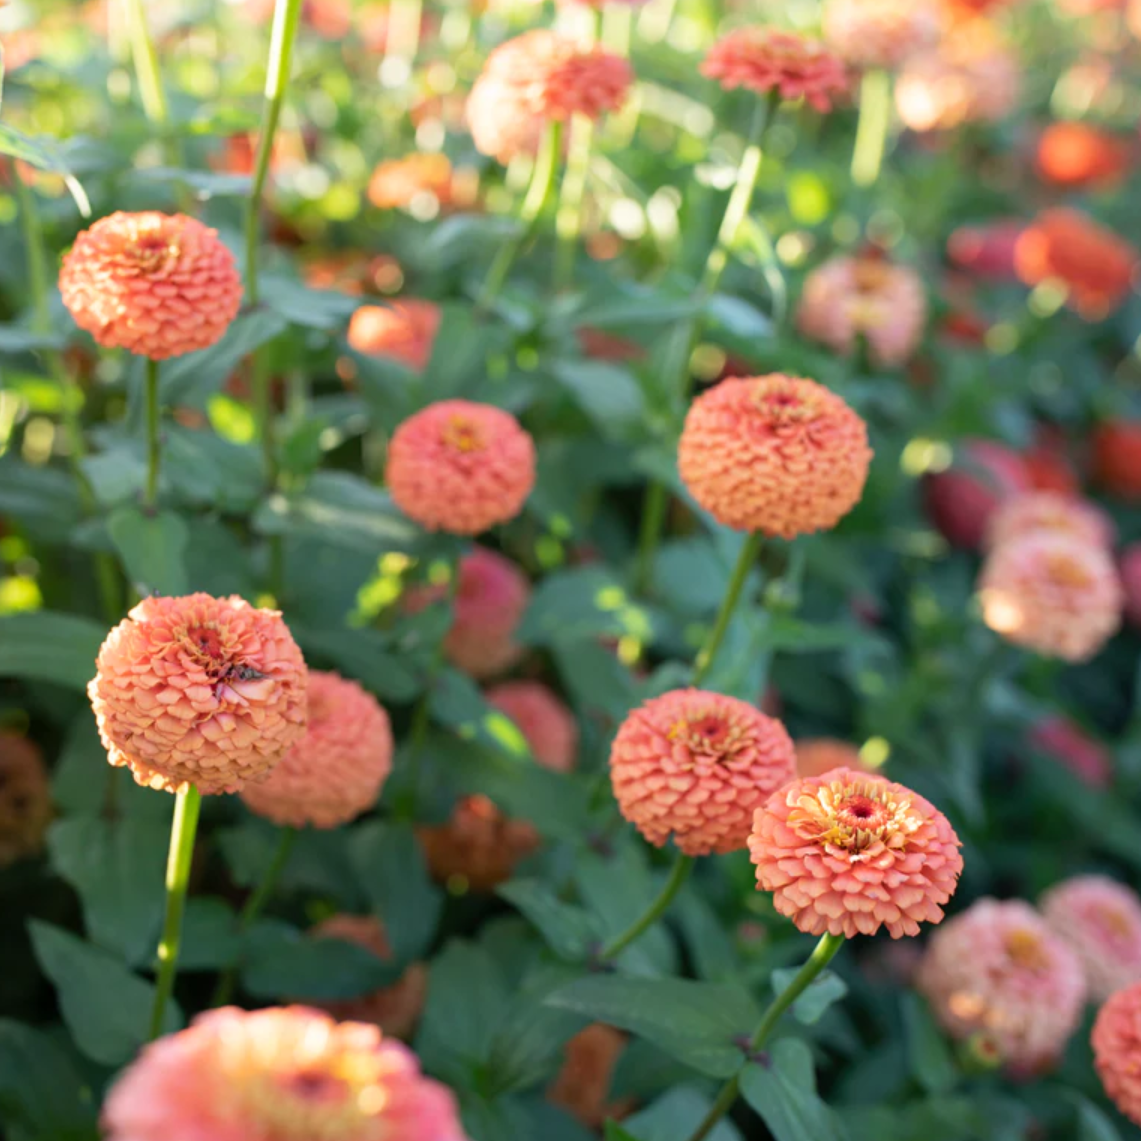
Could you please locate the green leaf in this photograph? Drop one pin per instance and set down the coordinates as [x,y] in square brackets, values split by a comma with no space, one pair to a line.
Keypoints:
[1094,1125]
[118,474]
[117,869]
[568,930]
[42,1097]
[608,394]
[209,936]
[44,155]
[932,1063]
[701,1024]
[206,184]
[739,318]
[106,1007]
[313,308]
[17,339]
[585,602]
[365,655]
[821,993]
[42,499]
[676,1114]
[709,944]
[204,468]
[43,646]
[612,1131]
[792,635]
[151,547]
[394,878]
[784,1094]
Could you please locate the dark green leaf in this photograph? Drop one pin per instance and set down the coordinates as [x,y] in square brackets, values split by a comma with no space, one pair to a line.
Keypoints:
[18,339]
[206,184]
[713,957]
[567,930]
[822,992]
[784,1094]
[279,962]
[931,1061]
[209,935]
[585,602]
[59,648]
[204,468]
[42,499]
[608,394]
[676,1114]
[151,547]
[365,655]
[42,1097]
[44,155]
[300,305]
[792,635]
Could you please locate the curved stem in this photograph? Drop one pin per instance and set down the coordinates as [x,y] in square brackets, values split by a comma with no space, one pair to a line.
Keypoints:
[182,831]
[568,220]
[820,958]
[745,560]
[151,91]
[255,903]
[683,865]
[871,132]
[654,508]
[154,448]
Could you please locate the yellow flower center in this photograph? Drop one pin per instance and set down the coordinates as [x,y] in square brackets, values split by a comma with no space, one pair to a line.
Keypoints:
[1112,921]
[1066,571]
[783,404]
[463,435]
[707,735]
[1024,949]
[855,815]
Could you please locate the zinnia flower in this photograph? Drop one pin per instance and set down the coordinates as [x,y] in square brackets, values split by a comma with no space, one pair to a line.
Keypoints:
[1050,593]
[961,500]
[396,182]
[695,764]
[776,454]
[1094,265]
[846,298]
[538,78]
[849,852]
[1116,1041]
[1130,569]
[546,723]
[1101,921]
[404,330]
[819,755]
[582,1085]
[282,1074]
[771,59]
[158,285]
[1116,458]
[460,467]
[1065,741]
[986,250]
[1074,154]
[336,771]
[1037,511]
[199,690]
[395,1009]
[998,972]
[880,33]
[25,798]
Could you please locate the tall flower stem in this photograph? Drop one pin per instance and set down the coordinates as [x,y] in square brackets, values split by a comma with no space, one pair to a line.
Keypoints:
[149,77]
[403,40]
[182,831]
[820,958]
[872,129]
[254,905]
[154,442]
[683,865]
[745,560]
[539,193]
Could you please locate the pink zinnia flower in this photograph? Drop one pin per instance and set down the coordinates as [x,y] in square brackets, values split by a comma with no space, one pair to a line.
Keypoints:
[771,59]
[1038,511]
[880,33]
[158,285]
[1052,594]
[987,250]
[776,454]
[460,467]
[1101,921]
[281,1074]
[1116,1042]
[336,771]
[546,723]
[849,852]
[695,764]
[404,330]
[998,973]
[199,690]
[816,756]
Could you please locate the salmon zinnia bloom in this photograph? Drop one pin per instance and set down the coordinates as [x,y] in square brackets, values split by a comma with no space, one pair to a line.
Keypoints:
[1094,265]
[1038,511]
[547,724]
[282,1074]
[776,454]
[880,33]
[157,285]
[848,853]
[1101,921]
[199,690]
[846,298]
[771,59]
[998,974]
[1053,594]
[1077,155]
[537,78]
[25,798]
[1116,458]
[404,330]
[460,467]
[819,755]
[336,771]
[396,182]
[1116,1042]
[695,765]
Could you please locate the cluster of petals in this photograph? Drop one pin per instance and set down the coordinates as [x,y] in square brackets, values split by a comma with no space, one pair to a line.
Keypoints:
[396,1009]
[1116,1041]
[582,1085]
[1101,921]
[1095,266]
[997,973]
[336,771]
[404,330]
[25,798]
[816,756]
[1065,741]
[1050,511]
[398,182]
[199,691]
[789,65]
[1052,593]
[848,852]
[1077,155]
[537,78]
[880,33]
[157,285]
[695,765]
[460,467]
[847,298]
[547,725]
[776,454]
[1115,448]
[281,1074]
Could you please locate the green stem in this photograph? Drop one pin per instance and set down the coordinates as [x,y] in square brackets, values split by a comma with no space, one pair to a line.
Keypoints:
[182,830]
[683,865]
[820,958]
[745,560]
[543,179]
[145,57]
[654,508]
[286,16]
[568,220]
[154,448]
[871,132]
[255,904]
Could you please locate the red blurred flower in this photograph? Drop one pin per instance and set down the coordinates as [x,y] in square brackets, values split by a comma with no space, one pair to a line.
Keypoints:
[404,330]
[1116,458]
[1073,154]
[961,500]
[986,250]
